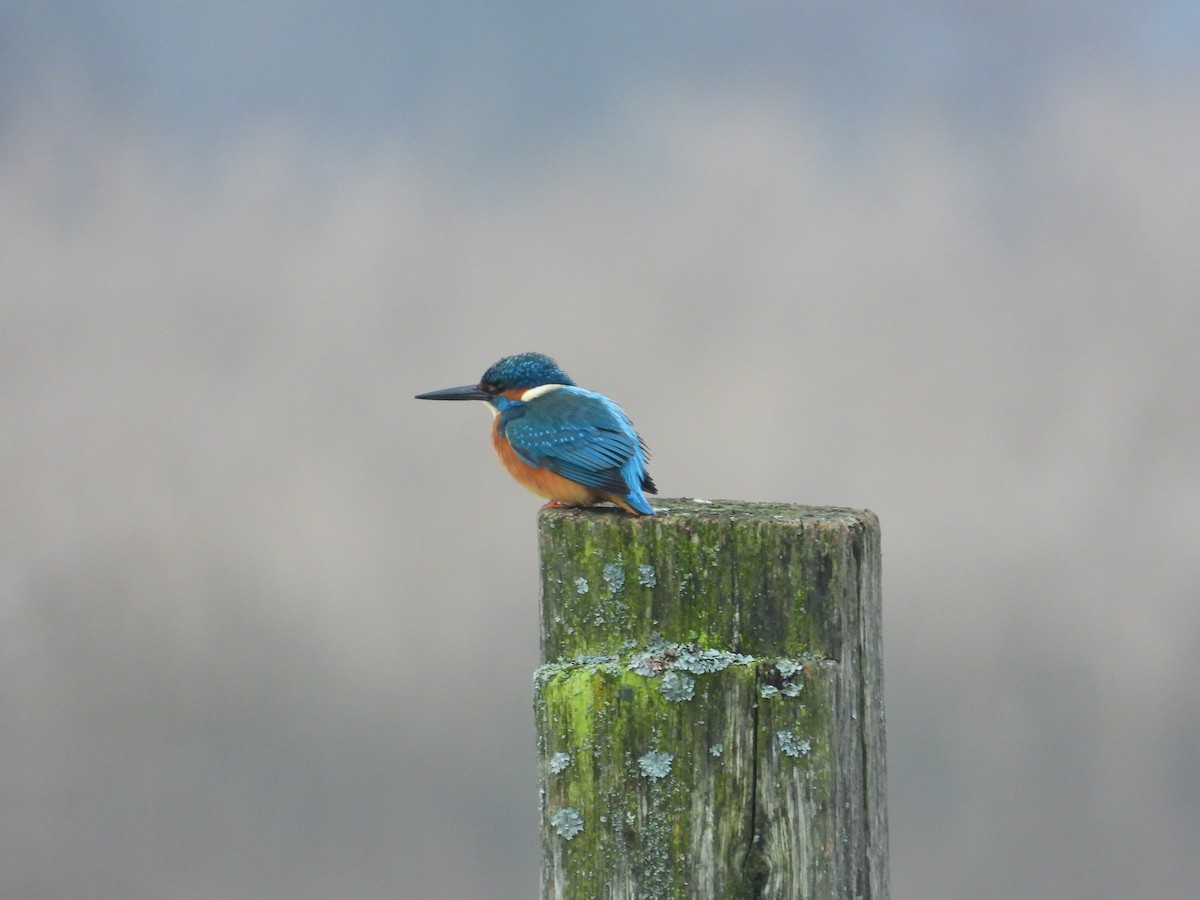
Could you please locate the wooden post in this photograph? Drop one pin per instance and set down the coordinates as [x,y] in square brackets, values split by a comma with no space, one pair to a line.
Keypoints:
[710,704]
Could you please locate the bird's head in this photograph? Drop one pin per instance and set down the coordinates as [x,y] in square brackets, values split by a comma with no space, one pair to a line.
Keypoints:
[509,378]
[522,372]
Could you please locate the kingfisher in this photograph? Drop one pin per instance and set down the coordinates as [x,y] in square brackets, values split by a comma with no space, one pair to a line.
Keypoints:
[570,446]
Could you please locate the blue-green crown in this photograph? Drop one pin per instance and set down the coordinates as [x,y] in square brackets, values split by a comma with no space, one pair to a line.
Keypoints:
[525,370]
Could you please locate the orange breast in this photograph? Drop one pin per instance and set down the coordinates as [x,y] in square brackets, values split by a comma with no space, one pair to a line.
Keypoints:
[542,482]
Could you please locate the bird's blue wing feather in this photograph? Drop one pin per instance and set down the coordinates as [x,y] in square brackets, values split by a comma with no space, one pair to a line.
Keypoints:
[580,435]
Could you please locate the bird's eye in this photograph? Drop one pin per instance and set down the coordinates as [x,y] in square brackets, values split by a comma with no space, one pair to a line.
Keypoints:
[489,388]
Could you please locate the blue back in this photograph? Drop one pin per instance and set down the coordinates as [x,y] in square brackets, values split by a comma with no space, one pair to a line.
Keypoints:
[582,436]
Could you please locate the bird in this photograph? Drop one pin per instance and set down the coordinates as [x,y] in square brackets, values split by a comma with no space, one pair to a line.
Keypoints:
[567,445]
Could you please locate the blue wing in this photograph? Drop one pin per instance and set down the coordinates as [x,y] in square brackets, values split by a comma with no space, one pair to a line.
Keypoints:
[582,436]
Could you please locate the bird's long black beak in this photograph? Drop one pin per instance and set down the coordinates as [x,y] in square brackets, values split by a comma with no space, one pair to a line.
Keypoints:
[466,392]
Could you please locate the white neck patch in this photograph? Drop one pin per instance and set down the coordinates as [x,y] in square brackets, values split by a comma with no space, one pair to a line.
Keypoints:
[539,391]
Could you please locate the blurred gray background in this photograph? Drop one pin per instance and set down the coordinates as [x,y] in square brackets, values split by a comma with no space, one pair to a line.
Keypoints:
[267,624]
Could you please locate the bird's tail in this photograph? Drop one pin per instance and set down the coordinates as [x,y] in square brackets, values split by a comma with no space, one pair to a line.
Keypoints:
[636,503]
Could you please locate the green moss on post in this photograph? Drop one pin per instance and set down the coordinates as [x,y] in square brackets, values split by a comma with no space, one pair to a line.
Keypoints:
[710,707]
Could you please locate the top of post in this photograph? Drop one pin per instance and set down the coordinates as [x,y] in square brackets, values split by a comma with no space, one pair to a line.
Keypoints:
[678,508]
[768,579]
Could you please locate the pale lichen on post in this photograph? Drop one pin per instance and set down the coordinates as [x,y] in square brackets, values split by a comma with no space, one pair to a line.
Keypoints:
[656,764]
